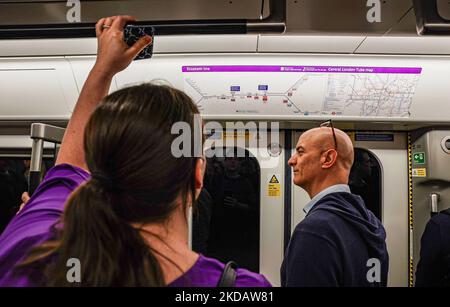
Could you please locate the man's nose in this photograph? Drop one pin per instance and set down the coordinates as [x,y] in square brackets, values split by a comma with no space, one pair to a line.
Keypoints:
[292,161]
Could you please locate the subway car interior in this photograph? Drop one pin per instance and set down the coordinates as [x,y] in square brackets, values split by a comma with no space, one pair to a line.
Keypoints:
[274,69]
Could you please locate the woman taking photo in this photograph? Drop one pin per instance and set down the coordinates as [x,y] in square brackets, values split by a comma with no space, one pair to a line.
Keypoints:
[117,200]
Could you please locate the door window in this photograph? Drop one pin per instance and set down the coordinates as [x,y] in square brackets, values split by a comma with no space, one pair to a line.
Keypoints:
[226,220]
[365,180]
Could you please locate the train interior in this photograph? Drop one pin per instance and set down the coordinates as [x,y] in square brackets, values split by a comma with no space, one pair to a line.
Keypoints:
[297,63]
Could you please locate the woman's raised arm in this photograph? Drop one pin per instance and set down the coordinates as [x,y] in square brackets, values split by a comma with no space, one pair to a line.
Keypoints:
[113,56]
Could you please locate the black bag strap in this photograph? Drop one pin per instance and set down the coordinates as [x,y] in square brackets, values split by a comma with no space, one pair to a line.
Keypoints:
[228,278]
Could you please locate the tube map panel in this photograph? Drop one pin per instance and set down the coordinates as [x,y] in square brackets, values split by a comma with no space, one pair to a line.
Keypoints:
[302,90]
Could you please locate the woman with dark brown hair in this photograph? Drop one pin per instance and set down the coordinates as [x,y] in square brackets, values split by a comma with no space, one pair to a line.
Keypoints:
[117,201]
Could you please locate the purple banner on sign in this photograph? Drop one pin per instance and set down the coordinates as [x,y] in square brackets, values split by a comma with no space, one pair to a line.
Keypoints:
[309,69]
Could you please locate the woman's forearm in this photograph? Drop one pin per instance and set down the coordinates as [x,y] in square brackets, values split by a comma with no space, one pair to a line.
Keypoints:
[95,88]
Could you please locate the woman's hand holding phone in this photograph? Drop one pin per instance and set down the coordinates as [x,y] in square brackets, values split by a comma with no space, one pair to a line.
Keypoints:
[113,54]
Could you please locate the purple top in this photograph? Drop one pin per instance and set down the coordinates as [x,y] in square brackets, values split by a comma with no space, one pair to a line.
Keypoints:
[33,224]
[308,69]
[206,272]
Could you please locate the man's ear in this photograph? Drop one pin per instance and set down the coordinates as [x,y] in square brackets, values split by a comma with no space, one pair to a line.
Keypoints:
[329,158]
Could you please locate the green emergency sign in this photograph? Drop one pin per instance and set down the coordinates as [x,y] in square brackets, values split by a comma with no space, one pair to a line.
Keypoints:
[419,158]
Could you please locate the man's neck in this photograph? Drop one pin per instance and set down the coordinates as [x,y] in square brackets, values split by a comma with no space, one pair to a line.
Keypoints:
[322,185]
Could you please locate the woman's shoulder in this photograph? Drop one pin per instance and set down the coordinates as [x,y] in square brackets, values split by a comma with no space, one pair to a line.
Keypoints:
[246,278]
[34,223]
[67,172]
[206,272]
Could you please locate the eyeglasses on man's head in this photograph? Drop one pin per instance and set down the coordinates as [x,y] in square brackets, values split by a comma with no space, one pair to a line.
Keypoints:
[329,124]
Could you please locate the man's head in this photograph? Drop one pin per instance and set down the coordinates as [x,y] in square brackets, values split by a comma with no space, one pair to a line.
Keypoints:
[319,162]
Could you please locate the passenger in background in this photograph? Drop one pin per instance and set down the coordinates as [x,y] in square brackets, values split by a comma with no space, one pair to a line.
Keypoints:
[117,200]
[340,242]
[433,269]
[234,230]
[12,184]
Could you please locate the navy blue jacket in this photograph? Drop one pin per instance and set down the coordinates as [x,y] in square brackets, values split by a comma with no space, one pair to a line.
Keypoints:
[434,265]
[333,244]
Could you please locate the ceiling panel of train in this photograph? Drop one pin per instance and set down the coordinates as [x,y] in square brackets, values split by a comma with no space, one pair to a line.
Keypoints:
[303,16]
[317,17]
[348,17]
[19,12]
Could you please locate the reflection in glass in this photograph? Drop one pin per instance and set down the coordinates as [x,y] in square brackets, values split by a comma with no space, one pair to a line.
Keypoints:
[226,222]
[365,180]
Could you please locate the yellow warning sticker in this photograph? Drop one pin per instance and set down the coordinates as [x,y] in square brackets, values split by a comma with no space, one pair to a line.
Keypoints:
[274,187]
[274,179]
[419,172]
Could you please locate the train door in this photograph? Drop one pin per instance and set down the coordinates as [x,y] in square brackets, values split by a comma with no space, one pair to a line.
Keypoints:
[380,176]
[239,214]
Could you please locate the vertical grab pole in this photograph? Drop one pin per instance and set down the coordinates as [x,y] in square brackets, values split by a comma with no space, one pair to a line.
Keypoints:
[37,151]
[41,133]
[434,202]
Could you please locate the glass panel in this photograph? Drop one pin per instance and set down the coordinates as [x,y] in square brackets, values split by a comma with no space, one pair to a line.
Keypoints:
[226,222]
[13,182]
[365,180]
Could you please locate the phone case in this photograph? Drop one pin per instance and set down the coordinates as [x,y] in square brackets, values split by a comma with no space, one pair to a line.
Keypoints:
[132,33]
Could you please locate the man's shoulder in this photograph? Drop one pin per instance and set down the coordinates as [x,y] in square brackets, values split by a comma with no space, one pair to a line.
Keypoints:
[441,219]
[317,222]
[443,216]
[322,214]
[440,223]
[322,217]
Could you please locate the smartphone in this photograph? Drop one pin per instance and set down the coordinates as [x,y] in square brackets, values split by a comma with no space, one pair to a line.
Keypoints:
[132,33]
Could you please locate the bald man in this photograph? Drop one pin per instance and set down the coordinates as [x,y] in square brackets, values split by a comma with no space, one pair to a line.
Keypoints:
[340,242]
